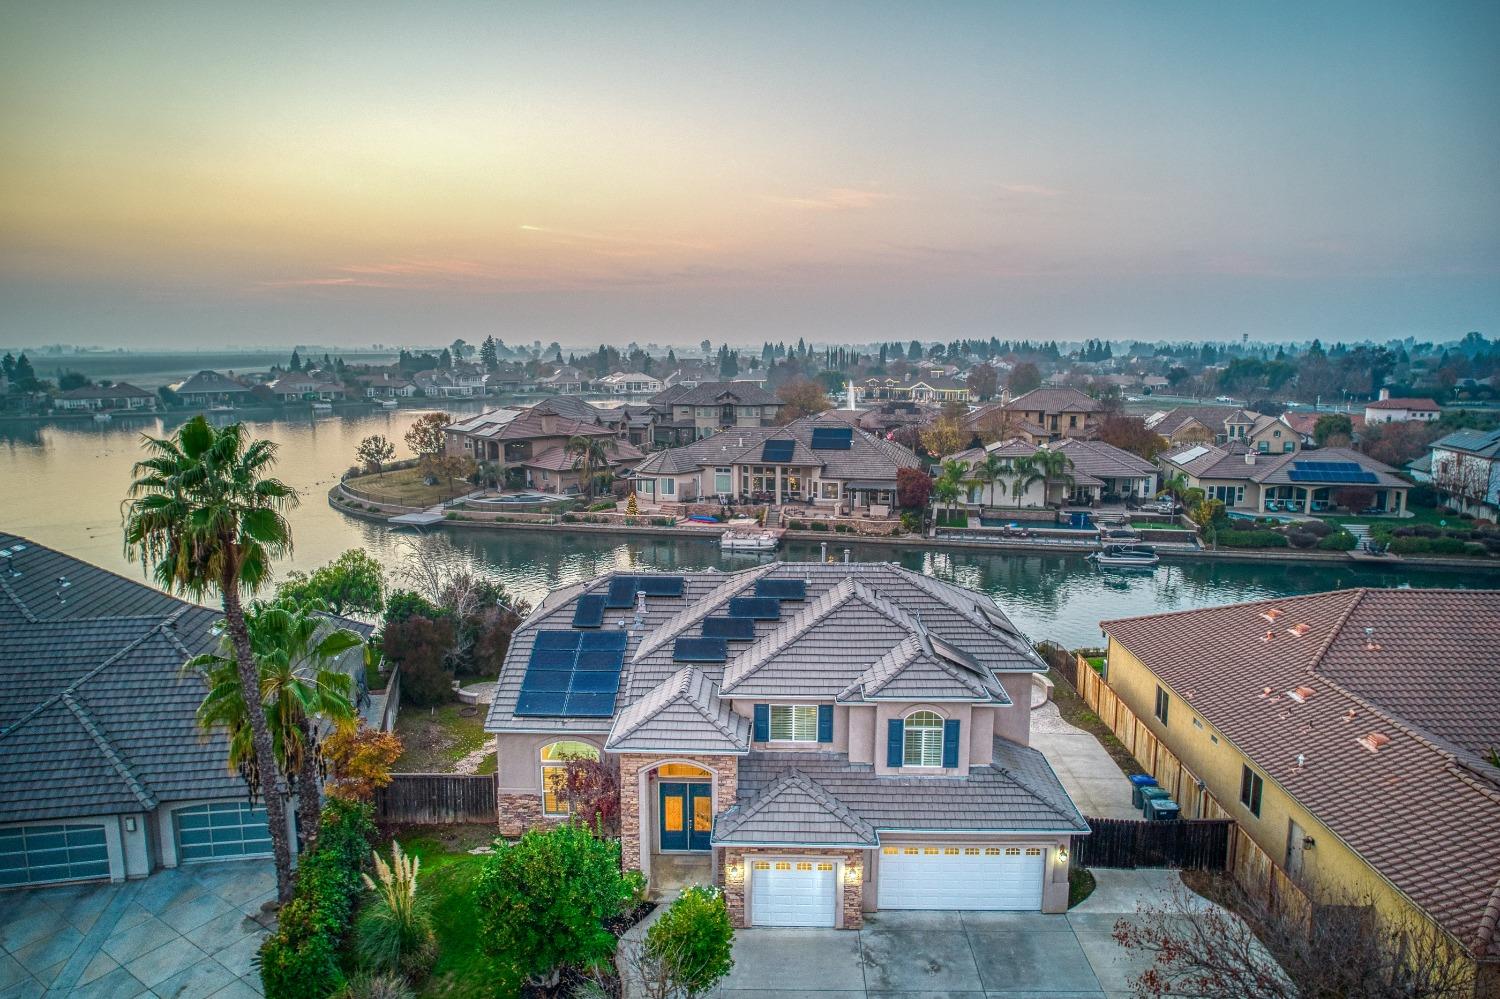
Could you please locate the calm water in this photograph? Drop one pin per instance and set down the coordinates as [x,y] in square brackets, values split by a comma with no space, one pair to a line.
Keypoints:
[62,485]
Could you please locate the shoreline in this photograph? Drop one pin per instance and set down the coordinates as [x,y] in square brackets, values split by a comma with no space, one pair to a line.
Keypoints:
[908,541]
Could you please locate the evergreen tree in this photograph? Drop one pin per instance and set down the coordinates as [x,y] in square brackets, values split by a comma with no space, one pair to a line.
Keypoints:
[445,360]
[488,356]
[24,375]
[8,366]
[672,363]
[296,362]
[914,350]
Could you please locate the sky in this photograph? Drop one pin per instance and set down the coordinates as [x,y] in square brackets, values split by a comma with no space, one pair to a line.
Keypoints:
[204,175]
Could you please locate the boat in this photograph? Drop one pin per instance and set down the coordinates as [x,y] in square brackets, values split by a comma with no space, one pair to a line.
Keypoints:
[1119,536]
[388,404]
[102,417]
[747,541]
[1126,556]
[322,407]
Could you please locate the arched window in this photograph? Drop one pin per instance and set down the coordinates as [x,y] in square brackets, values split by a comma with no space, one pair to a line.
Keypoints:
[555,757]
[923,734]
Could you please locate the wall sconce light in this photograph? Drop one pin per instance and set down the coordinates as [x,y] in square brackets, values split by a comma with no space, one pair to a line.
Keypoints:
[130,824]
[1062,854]
[853,873]
[735,871]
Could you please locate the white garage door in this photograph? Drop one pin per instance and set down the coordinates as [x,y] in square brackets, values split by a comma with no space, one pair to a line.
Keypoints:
[961,877]
[792,892]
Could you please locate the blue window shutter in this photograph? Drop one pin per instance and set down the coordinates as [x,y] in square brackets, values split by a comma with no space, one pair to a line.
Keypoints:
[825,722]
[950,742]
[763,723]
[894,743]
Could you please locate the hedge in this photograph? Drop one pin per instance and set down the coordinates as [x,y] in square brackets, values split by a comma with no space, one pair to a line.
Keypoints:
[1251,539]
[300,960]
[1431,546]
[1339,541]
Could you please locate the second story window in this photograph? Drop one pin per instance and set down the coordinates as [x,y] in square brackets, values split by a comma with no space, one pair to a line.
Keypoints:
[794,723]
[923,735]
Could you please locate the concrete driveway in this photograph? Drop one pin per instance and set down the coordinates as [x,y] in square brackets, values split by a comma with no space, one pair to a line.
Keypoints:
[954,955]
[1089,774]
[187,933]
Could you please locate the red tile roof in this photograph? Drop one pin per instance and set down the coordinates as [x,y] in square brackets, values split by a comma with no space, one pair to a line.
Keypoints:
[1421,404]
[1389,698]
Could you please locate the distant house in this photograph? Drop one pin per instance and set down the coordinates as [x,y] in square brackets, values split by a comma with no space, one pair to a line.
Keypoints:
[998,422]
[1100,472]
[1305,423]
[387,385]
[921,386]
[297,387]
[1293,482]
[689,414]
[628,383]
[98,398]
[1388,410]
[454,384]
[1465,470]
[510,437]
[566,380]
[209,388]
[1061,412]
[1221,424]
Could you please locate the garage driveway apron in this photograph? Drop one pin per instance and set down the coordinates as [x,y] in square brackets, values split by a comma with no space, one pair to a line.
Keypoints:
[187,932]
[955,955]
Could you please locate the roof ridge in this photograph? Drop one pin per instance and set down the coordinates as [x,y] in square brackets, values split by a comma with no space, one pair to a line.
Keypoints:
[793,777]
[1334,632]
[145,797]
[16,599]
[764,649]
[698,610]
[1247,603]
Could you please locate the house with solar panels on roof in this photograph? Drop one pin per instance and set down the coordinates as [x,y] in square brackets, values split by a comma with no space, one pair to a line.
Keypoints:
[1296,482]
[820,739]
[820,461]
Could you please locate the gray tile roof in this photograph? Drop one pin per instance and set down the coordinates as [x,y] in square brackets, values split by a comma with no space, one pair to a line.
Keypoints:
[1018,793]
[918,669]
[684,715]
[96,715]
[793,811]
[1480,442]
[869,458]
[715,393]
[1103,461]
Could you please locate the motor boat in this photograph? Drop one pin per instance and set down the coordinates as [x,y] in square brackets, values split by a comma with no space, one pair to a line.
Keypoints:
[748,541]
[1119,536]
[322,407]
[1126,556]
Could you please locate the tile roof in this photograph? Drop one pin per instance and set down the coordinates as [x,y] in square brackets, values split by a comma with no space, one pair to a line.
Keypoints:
[869,458]
[1480,442]
[209,381]
[1055,400]
[717,393]
[793,811]
[119,390]
[1205,461]
[1103,461]
[1212,418]
[682,715]
[1423,405]
[560,459]
[1413,666]
[919,669]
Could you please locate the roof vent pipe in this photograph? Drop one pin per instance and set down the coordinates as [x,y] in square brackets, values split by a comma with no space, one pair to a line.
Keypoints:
[640,610]
[846,556]
[822,551]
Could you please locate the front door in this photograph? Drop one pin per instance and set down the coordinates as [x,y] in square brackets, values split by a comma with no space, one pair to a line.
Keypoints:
[687,815]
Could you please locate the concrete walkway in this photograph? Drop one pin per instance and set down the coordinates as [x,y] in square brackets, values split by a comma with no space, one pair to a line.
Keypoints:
[189,932]
[1089,774]
[955,955]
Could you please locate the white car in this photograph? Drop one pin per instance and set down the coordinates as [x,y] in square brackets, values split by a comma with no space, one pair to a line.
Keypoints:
[1223,398]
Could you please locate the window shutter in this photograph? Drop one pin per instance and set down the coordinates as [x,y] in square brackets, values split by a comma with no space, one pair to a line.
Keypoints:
[825,722]
[950,742]
[894,744]
[763,723]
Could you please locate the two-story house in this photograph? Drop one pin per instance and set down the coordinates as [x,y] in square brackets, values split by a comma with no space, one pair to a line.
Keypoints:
[512,437]
[1223,424]
[1465,470]
[1060,412]
[822,740]
[1349,734]
[210,388]
[692,413]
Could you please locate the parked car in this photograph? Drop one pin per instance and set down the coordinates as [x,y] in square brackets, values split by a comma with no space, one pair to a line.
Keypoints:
[1222,398]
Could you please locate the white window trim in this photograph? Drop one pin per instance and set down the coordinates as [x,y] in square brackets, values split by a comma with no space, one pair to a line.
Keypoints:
[546,764]
[907,729]
[795,709]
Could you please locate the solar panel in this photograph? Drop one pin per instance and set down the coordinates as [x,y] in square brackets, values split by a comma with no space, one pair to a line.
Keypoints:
[755,608]
[1359,475]
[621,592]
[832,438]
[589,611]
[777,450]
[659,586]
[573,674]
[700,650]
[781,589]
[735,629]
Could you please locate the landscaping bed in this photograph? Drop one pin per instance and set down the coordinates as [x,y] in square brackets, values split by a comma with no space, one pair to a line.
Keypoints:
[404,487]
[436,739]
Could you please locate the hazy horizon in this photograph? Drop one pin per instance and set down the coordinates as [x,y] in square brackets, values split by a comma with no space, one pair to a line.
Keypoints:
[178,177]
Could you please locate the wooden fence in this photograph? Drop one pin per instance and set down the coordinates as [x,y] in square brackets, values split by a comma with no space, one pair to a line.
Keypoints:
[1197,844]
[436,799]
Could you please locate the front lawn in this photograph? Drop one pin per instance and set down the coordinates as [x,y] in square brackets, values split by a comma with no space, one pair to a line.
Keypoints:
[404,486]
[437,738]
[1420,515]
[1157,525]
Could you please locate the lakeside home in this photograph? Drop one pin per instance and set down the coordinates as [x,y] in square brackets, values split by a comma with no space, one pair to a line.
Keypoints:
[1339,738]
[1294,482]
[692,412]
[101,398]
[1222,424]
[821,740]
[1100,472]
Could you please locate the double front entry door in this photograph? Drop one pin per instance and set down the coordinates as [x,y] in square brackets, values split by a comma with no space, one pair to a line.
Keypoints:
[687,815]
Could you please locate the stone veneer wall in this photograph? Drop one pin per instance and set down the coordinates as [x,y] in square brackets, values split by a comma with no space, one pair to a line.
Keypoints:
[735,876]
[726,771]
[519,812]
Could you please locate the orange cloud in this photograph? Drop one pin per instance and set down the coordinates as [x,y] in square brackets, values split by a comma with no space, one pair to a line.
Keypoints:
[836,199]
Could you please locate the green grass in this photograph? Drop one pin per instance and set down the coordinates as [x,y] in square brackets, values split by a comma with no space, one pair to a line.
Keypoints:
[435,739]
[404,486]
[1153,525]
[1420,515]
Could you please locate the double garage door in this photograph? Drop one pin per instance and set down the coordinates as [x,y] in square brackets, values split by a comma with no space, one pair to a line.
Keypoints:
[961,877]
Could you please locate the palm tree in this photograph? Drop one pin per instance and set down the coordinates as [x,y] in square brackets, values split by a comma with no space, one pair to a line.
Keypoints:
[1050,467]
[989,472]
[1023,474]
[205,516]
[1174,486]
[950,484]
[590,456]
[294,645]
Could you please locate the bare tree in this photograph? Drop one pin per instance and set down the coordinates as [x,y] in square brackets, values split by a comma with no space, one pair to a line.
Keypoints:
[1264,951]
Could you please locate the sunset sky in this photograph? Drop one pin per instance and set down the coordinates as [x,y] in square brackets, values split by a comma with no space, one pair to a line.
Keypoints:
[243,174]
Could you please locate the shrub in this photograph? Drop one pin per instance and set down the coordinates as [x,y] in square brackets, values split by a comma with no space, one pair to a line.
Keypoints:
[662,521]
[395,930]
[1341,541]
[843,528]
[1318,528]
[543,902]
[689,947]
[602,505]
[418,644]
[361,758]
[592,790]
[911,522]
[819,525]
[1251,539]
[1301,539]
[366,986]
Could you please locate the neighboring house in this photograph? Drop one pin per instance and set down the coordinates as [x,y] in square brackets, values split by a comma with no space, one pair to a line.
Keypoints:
[822,740]
[454,384]
[690,414]
[1222,424]
[1295,482]
[1002,492]
[1100,472]
[98,398]
[1465,470]
[1060,412]
[566,380]
[299,387]
[104,772]
[386,385]
[628,383]
[511,437]
[1349,734]
[817,460]
[209,388]
[691,374]
[997,422]
[556,470]
[922,386]
[1388,410]
[636,424]
[1304,423]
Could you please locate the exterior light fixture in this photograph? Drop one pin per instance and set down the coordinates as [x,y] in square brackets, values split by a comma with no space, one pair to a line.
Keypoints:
[1062,854]
[852,873]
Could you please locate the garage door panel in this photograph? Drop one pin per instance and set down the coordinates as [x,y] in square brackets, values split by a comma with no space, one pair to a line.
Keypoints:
[220,830]
[793,893]
[48,854]
[961,877]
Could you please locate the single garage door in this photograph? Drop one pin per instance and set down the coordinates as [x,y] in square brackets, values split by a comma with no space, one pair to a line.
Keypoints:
[793,892]
[220,830]
[961,877]
[33,855]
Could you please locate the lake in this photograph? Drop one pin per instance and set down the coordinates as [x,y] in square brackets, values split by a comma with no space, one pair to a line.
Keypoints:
[62,484]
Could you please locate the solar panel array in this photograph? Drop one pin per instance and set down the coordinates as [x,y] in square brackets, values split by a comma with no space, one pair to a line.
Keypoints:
[1330,471]
[755,608]
[778,450]
[735,629]
[832,438]
[589,611]
[573,674]
[781,589]
[655,585]
[621,593]
[700,650]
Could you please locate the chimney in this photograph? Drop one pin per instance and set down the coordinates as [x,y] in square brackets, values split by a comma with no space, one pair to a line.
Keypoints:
[1385,393]
[1249,457]
[549,422]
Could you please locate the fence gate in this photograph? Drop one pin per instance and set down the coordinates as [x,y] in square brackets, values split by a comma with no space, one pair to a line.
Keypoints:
[1198,844]
[436,799]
